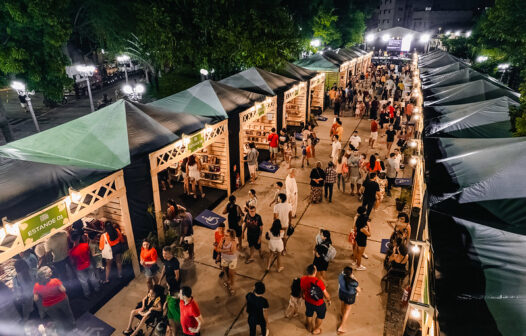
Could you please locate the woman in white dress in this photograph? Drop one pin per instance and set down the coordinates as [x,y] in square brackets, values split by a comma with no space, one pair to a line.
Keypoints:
[193,169]
[291,188]
[275,244]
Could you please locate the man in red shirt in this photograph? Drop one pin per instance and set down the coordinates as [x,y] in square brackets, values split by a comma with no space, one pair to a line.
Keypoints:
[273,140]
[374,133]
[391,110]
[80,260]
[310,284]
[191,319]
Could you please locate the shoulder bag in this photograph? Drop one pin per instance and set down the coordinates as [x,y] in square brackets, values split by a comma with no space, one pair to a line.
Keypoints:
[106,251]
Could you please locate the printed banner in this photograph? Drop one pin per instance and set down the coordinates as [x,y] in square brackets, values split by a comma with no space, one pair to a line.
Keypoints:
[196,142]
[42,224]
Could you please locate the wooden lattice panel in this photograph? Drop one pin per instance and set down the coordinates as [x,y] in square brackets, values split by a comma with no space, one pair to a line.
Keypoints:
[175,152]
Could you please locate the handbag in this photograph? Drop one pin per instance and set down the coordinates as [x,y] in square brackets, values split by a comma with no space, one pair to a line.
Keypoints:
[352,237]
[106,251]
[345,168]
[290,230]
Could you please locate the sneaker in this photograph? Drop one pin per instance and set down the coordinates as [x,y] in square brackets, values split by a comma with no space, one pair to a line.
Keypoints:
[365,256]
[353,263]
[361,268]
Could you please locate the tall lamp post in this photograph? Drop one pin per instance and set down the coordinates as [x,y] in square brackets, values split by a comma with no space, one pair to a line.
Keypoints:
[134,93]
[21,90]
[124,59]
[87,71]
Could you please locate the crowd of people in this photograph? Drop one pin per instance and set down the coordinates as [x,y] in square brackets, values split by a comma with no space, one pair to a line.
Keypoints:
[381,94]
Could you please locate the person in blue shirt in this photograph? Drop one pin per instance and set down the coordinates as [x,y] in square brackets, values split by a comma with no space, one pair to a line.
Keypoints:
[348,289]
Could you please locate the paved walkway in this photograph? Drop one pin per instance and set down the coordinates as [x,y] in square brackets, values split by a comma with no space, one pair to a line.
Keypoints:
[225,315]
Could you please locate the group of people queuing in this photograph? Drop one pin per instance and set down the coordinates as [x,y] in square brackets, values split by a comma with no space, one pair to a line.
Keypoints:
[70,263]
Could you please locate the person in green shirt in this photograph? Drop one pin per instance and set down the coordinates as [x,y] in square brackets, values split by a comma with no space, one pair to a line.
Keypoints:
[173,314]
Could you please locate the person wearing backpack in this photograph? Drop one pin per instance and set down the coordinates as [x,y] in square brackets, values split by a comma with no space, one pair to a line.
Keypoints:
[314,293]
[322,256]
[348,288]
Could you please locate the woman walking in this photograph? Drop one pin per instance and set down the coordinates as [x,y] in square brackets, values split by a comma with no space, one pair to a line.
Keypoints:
[111,237]
[362,232]
[275,244]
[149,262]
[55,301]
[321,261]
[348,288]
[229,259]
[193,168]
[317,177]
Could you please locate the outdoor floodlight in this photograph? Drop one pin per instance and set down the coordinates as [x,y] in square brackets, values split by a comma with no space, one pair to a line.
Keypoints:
[458,32]
[415,249]
[315,43]
[448,32]
[369,38]
[424,38]
[123,58]
[412,161]
[204,72]
[386,37]
[18,86]
[481,59]
[468,33]
[85,70]
[503,66]
[127,89]
[408,37]
[139,88]
[412,144]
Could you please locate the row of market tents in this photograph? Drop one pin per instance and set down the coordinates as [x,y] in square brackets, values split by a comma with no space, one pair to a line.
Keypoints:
[39,170]
[477,199]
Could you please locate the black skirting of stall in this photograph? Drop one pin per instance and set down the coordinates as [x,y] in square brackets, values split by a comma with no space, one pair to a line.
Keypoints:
[211,200]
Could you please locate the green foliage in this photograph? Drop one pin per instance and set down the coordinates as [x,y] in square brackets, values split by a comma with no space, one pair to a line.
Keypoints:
[324,27]
[32,36]
[463,47]
[175,81]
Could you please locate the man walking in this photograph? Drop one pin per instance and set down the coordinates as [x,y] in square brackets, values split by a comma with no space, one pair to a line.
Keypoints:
[273,141]
[314,293]
[191,319]
[330,179]
[393,166]
[257,309]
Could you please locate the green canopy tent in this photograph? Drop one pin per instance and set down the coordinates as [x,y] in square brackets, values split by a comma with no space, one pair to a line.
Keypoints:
[486,119]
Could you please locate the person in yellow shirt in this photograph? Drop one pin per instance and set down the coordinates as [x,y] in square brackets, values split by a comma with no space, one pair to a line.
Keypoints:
[332,95]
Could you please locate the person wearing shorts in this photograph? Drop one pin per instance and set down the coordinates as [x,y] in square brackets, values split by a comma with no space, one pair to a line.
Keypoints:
[354,171]
[229,259]
[252,161]
[253,225]
[275,244]
[273,141]
[313,305]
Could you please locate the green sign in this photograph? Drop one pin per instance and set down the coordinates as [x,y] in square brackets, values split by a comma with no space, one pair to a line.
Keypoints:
[261,110]
[44,223]
[297,92]
[196,142]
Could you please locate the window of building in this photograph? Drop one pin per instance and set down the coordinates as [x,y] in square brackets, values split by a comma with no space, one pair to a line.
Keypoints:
[428,9]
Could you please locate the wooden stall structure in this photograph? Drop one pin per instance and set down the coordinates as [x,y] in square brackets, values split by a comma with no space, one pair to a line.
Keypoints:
[103,199]
[344,62]
[255,125]
[315,89]
[295,106]
[210,145]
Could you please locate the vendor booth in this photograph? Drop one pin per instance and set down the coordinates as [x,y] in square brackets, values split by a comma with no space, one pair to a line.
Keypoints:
[321,64]
[314,81]
[344,62]
[289,104]
[216,143]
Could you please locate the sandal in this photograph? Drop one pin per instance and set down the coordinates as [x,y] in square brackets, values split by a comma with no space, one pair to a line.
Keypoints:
[232,292]
[281,269]
[248,261]
[128,332]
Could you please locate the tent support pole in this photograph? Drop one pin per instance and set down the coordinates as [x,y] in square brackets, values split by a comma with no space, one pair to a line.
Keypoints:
[157,203]
[123,201]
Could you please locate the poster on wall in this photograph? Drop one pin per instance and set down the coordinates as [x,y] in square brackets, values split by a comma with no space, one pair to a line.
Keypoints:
[43,223]
[394,45]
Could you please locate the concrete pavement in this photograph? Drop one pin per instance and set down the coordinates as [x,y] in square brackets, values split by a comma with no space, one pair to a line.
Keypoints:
[225,315]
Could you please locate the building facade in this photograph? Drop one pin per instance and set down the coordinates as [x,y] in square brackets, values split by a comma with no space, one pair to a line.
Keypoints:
[425,15]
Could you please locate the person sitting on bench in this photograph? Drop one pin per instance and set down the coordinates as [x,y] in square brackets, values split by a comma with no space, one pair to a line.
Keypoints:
[147,311]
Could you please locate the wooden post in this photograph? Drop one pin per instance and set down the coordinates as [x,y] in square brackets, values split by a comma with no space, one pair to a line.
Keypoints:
[241,151]
[157,201]
[227,154]
[123,201]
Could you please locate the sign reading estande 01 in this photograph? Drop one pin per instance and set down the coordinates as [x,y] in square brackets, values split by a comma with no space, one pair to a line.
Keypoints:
[43,223]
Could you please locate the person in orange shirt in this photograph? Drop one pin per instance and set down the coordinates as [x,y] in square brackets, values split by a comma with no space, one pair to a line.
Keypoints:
[114,239]
[149,262]
[218,237]
[332,95]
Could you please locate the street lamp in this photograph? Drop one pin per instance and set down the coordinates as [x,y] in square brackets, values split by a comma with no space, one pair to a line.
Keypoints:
[481,59]
[503,67]
[124,59]
[133,93]
[87,71]
[20,88]
[315,43]
[369,37]
[468,33]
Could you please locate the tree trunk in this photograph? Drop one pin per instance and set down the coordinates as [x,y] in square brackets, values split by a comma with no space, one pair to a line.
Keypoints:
[4,124]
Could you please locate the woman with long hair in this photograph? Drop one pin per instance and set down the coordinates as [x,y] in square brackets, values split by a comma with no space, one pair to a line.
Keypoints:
[193,169]
[114,239]
[275,244]
[317,178]
[147,311]
[348,288]
[23,284]
[373,166]
[148,258]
